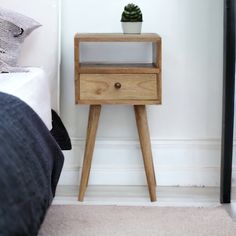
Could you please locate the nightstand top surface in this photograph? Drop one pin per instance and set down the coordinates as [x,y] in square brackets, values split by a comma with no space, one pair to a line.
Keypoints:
[117,37]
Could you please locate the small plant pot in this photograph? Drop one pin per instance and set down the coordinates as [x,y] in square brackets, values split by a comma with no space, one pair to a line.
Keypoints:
[131,27]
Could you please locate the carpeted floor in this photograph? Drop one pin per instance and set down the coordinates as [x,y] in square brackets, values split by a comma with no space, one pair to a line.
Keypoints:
[136,221]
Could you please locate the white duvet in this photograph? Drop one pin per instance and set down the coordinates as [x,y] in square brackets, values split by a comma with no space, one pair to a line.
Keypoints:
[31,87]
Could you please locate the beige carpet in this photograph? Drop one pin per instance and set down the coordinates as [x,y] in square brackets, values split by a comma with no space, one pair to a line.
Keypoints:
[136,221]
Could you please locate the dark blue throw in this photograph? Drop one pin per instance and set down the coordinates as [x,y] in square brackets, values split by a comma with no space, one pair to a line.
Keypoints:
[30,166]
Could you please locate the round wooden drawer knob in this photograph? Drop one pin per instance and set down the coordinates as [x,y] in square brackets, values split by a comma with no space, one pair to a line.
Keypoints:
[117,85]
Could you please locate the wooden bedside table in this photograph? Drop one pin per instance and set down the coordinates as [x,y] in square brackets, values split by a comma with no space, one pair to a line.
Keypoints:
[137,84]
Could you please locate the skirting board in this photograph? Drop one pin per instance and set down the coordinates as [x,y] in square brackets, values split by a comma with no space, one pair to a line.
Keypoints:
[119,162]
[138,196]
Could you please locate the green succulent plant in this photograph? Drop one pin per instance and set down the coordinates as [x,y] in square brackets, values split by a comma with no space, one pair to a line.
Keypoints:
[131,13]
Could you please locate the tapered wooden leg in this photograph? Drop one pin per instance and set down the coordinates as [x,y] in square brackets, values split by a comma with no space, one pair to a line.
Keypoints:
[94,114]
[144,137]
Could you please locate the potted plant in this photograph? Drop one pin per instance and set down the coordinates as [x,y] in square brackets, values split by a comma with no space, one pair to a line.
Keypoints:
[131,19]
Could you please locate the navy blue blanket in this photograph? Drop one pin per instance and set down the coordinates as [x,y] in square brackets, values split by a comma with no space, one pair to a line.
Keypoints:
[30,166]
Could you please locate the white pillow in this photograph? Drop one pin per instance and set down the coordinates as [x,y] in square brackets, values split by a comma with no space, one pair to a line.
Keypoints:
[14,28]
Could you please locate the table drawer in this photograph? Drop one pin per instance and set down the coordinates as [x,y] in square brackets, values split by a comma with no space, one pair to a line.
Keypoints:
[118,87]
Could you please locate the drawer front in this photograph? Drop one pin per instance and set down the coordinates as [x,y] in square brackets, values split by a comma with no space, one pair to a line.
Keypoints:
[118,87]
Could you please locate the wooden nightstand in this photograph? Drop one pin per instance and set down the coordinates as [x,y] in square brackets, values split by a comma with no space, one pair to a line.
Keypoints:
[137,84]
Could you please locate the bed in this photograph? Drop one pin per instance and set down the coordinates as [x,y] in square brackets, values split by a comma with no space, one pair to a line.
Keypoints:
[32,88]
[31,159]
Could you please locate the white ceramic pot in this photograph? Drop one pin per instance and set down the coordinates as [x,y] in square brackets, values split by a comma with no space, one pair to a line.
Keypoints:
[131,27]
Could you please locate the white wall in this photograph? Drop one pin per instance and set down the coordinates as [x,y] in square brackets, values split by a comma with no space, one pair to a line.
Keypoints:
[186,129]
[41,47]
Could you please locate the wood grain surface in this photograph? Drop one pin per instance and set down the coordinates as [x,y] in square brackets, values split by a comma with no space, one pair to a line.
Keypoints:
[144,137]
[133,86]
[94,114]
[116,37]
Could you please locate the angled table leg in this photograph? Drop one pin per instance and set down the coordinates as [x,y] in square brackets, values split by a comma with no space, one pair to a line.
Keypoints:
[144,137]
[94,114]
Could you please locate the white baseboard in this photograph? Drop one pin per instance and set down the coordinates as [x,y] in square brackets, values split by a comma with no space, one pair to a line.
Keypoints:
[138,196]
[119,162]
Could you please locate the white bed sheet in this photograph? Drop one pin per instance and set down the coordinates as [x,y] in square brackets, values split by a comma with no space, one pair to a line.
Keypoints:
[31,87]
